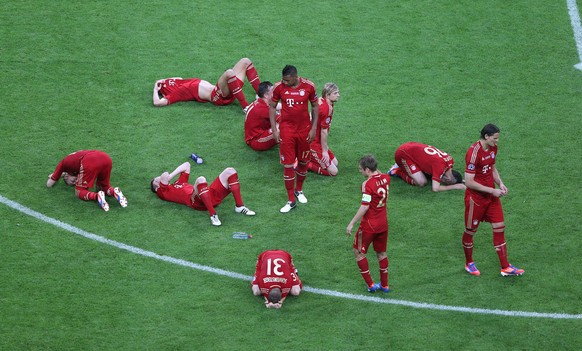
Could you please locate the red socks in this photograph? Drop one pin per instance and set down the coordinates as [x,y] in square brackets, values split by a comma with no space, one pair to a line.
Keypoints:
[468,245]
[253,77]
[289,178]
[301,173]
[402,174]
[234,187]
[500,246]
[315,168]
[384,272]
[236,90]
[365,271]
[205,197]
[85,195]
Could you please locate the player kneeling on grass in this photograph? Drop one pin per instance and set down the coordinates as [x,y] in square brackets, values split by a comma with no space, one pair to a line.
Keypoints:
[275,277]
[418,164]
[200,196]
[82,169]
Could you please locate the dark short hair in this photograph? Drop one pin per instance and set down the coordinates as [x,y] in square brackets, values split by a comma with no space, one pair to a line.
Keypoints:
[152,186]
[289,70]
[274,295]
[264,88]
[489,130]
[369,161]
[458,177]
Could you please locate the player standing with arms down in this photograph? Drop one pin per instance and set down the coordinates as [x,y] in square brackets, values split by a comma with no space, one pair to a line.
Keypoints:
[482,203]
[200,196]
[227,89]
[275,277]
[323,160]
[373,218]
[295,131]
[413,160]
[82,169]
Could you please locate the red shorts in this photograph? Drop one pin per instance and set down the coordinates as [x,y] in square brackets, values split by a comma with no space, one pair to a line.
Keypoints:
[404,162]
[217,97]
[294,146]
[363,240]
[217,193]
[95,165]
[482,209]
[263,141]
[317,155]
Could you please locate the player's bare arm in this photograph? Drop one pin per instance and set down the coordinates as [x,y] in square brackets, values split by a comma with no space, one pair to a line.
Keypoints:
[314,119]
[158,101]
[498,181]
[472,184]
[50,182]
[324,146]
[357,217]
[273,120]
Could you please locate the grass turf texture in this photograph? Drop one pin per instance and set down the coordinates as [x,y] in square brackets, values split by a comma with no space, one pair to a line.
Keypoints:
[80,76]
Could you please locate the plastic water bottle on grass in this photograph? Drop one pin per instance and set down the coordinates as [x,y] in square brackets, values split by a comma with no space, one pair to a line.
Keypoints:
[241,235]
[197,158]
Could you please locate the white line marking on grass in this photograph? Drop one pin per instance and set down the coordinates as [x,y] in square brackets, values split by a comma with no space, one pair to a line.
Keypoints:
[575,19]
[135,250]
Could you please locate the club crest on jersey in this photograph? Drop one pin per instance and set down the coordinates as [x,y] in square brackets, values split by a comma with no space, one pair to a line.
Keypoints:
[302,92]
[327,120]
[471,167]
[493,155]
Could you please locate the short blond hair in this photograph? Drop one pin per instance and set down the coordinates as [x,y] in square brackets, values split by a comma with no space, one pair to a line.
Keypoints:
[328,88]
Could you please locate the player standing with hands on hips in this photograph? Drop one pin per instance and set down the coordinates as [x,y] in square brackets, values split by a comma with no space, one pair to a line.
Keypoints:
[482,203]
[296,131]
[373,218]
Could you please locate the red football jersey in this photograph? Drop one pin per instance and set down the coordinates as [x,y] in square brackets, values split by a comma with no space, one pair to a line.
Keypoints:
[375,192]
[295,105]
[176,90]
[70,164]
[480,162]
[427,159]
[180,191]
[275,269]
[257,119]
[324,121]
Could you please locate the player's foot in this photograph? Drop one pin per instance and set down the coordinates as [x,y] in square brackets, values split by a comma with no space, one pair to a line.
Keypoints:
[372,288]
[214,220]
[383,289]
[472,269]
[393,170]
[119,197]
[301,197]
[244,210]
[288,207]
[511,270]
[102,202]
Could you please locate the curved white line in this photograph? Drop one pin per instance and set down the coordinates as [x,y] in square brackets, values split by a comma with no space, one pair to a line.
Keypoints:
[576,27]
[135,250]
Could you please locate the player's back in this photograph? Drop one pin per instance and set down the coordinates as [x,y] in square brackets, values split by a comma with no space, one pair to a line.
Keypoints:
[376,218]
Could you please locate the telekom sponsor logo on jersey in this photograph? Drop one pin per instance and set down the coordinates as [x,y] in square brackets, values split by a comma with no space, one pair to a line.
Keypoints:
[301,92]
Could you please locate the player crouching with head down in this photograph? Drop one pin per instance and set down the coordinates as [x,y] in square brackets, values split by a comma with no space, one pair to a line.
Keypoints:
[275,277]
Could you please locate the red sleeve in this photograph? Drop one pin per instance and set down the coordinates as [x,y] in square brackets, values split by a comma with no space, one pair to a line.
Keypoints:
[183,178]
[58,171]
[313,95]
